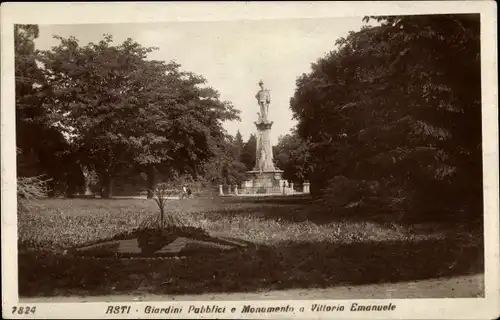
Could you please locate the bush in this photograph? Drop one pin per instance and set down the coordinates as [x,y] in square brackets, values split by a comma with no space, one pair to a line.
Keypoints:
[342,192]
[364,197]
[388,197]
[28,189]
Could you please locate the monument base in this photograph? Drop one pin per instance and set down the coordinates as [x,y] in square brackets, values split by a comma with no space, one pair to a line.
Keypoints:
[265,182]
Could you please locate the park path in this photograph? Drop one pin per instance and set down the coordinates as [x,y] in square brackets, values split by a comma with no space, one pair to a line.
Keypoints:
[455,287]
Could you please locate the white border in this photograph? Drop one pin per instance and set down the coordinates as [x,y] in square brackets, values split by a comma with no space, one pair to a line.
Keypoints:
[75,13]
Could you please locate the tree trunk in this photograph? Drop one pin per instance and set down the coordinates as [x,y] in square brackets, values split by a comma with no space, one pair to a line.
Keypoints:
[107,187]
[151,181]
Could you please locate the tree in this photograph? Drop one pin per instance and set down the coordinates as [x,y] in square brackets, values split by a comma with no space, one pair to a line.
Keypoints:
[44,150]
[399,104]
[238,145]
[192,128]
[124,111]
[225,168]
[248,153]
[292,156]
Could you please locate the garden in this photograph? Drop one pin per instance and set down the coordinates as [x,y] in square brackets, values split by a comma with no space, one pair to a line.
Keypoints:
[288,244]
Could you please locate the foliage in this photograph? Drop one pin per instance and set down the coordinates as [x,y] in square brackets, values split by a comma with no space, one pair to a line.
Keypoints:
[123,110]
[226,167]
[31,188]
[162,193]
[399,103]
[248,154]
[43,149]
[347,192]
[238,145]
[292,156]
[28,190]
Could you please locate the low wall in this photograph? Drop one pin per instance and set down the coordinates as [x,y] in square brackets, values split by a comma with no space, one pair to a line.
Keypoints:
[262,190]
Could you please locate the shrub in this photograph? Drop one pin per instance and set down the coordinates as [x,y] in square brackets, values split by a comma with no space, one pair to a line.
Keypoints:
[160,195]
[28,189]
[341,192]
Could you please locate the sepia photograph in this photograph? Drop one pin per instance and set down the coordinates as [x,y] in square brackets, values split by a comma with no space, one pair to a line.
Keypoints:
[300,159]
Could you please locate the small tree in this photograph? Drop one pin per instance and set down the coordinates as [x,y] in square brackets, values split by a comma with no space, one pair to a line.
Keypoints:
[161,194]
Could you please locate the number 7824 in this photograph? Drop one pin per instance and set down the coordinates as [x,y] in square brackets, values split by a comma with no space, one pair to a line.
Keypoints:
[23,310]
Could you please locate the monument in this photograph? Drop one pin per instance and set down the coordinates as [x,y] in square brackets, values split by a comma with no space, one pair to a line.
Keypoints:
[265,177]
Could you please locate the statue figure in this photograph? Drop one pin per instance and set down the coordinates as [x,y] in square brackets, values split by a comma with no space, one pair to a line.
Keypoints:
[262,159]
[263,99]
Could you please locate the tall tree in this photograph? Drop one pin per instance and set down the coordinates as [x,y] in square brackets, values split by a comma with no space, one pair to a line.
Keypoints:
[225,168]
[124,110]
[292,156]
[238,145]
[249,151]
[399,103]
[43,149]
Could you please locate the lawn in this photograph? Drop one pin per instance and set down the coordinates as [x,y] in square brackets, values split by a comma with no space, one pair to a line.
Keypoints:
[293,246]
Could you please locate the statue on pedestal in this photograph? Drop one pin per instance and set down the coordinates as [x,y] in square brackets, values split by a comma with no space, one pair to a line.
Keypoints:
[263,99]
[265,177]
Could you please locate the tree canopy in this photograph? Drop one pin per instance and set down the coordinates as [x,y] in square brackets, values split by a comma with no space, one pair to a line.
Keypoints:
[121,110]
[42,148]
[399,103]
[226,168]
[293,157]
[248,153]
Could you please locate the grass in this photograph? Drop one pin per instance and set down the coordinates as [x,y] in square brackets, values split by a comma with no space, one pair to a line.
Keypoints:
[292,248]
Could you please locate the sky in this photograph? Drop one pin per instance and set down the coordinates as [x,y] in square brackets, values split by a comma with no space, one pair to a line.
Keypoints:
[231,55]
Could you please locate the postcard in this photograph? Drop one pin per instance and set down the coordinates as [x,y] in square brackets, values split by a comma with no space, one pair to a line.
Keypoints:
[250,160]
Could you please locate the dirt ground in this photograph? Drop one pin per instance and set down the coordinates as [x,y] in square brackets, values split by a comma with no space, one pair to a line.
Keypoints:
[455,287]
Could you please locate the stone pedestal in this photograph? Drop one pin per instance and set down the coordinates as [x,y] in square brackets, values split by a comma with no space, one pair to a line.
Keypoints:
[264,152]
[266,182]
